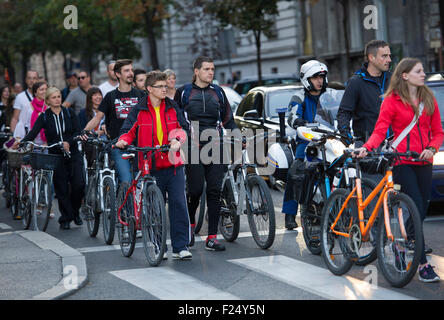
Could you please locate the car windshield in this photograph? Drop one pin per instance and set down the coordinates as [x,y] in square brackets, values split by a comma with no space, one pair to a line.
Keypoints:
[439,95]
[278,100]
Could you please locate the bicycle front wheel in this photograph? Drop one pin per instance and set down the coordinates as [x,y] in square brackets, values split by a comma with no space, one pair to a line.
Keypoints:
[92,218]
[202,209]
[398,257]
[262,219]
[42,204]
[25,205]
[109,214]
[334,247]
[229,223]
[126,233]
[13,194]
[154,231]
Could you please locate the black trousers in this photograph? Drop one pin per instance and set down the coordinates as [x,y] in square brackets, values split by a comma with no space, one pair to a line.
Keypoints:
[69,185]
[196,175]
[416,182]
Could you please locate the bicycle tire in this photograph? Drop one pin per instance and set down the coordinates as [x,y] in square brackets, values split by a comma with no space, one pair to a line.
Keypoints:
[368,252]
[7,184]
[229,222]
[311,227]
[400,269]
[126,234]
[202,209]
[109,214]
[91,217]
[14,208]
[338,262]
[266,217]
[41,220]
[25,207]
[154,231]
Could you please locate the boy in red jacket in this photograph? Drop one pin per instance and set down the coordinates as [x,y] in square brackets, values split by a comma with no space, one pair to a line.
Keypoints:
[155,122]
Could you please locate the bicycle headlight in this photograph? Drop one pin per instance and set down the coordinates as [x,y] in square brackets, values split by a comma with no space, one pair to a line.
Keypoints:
[311,151]
[438,159]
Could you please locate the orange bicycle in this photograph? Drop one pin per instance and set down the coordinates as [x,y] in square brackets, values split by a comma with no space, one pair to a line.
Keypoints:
[345,227]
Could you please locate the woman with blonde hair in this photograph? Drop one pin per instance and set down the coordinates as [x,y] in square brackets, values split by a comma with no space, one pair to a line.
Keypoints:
[408,98]
[171,83]
[60,124]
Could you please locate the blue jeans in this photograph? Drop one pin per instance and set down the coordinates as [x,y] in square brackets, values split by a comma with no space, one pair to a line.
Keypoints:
[122,166]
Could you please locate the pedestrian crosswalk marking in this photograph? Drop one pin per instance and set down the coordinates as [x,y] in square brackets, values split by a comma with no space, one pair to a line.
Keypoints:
[4,226]
[197,239]
[317,280]
[168,284]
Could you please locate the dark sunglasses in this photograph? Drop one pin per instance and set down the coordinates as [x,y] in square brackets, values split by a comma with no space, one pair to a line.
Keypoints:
[81,78]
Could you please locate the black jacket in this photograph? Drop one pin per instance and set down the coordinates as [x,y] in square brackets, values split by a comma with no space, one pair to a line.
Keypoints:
[361,102]
[204,106]
[62,127]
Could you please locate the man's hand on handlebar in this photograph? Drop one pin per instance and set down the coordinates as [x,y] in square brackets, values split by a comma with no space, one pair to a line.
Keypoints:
[122,144]
[426,154]
[360,153]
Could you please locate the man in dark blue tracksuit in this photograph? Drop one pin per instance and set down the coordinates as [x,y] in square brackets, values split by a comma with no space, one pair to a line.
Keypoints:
[364,93]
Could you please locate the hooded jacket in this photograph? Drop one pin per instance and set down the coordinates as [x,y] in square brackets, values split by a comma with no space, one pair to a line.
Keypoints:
[361,103]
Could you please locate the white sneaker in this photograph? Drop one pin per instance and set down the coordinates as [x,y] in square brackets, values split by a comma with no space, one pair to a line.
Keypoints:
[165,256]
[183,255]
[139,234]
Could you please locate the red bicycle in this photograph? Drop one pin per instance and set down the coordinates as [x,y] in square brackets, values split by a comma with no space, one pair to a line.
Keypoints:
[142,207]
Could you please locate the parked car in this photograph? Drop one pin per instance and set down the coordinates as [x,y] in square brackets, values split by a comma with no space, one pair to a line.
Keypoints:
[233,97]
[437,87]
[244,85]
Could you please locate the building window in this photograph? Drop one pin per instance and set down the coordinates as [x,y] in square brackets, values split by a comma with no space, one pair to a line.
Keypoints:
[274,70]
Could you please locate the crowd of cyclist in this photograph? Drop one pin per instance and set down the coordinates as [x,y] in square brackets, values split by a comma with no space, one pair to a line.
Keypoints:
[133,105]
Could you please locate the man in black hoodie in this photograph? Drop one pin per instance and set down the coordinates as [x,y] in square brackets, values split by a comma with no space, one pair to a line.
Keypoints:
[364,93]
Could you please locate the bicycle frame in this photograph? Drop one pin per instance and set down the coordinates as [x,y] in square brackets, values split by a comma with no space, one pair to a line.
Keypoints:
[141,177]
[385,186]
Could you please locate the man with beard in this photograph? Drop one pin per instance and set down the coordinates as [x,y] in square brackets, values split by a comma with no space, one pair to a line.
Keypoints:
[115,107]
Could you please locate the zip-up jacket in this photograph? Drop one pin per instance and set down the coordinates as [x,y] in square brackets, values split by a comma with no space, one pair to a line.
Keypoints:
[62,127]
[427,132]
[361,102]
[204,106]
[143,125]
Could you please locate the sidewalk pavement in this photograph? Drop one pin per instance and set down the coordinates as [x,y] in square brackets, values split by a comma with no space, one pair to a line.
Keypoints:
[36,266]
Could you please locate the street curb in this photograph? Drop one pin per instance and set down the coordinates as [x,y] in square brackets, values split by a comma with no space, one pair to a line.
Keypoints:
[73,265]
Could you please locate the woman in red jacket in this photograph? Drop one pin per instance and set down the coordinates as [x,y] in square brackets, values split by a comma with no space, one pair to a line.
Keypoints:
[154,121]
[401,103]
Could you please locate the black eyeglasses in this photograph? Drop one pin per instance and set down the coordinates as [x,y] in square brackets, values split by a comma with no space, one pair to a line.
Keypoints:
[160,87]
[81,78]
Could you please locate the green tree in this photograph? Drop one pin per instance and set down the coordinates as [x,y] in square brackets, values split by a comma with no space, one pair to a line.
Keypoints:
[256,16]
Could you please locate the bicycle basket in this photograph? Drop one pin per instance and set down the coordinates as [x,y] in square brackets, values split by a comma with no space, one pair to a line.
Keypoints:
[15,159]
[303,175]
[45,161]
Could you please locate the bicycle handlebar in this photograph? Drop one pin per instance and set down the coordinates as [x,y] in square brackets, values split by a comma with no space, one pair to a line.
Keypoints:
[57,144]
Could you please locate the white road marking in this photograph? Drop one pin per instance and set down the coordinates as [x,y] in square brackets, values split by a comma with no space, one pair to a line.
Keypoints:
[317,280]
[4,226]
[167,284]
[197,239]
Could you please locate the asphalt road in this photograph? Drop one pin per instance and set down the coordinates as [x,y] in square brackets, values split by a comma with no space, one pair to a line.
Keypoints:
[286,271]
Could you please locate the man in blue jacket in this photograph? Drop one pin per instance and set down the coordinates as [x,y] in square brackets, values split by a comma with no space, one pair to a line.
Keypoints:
[364,93]
[303,109]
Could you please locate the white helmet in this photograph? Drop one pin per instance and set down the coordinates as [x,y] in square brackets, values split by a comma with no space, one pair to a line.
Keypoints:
[310,69]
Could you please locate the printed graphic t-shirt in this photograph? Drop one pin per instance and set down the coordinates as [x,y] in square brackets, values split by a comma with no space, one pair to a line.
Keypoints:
[116,106]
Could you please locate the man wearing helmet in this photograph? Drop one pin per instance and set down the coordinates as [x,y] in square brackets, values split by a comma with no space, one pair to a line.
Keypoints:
[303,107]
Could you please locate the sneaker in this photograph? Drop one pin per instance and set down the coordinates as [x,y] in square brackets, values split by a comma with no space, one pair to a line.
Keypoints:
[427,274]
[182,255]
[139,234]
[400,264]
[411,247]
[51,215]
[165,256]
[213,244]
